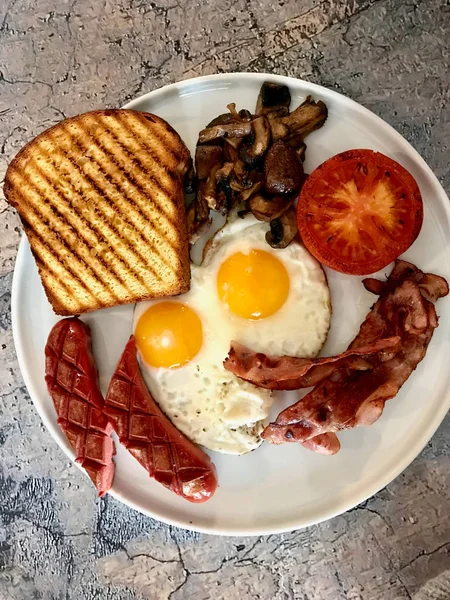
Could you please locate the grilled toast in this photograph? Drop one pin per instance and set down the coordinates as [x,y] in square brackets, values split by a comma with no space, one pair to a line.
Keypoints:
[101,199]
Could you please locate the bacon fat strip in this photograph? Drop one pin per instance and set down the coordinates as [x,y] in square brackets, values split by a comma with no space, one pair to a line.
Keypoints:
[72,382]
[292,373]
[350,398]
[167,455]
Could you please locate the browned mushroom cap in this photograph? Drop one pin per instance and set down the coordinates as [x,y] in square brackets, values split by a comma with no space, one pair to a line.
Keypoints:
[245,194]
[206,158]
[198,217]
[283,170]
[223,119]
[253,148]
[267,209]
[282,230]
[233,129]
[245,115]
[273,98]
[307,117]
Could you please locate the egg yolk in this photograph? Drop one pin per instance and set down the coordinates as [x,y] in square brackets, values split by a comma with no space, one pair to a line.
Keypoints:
[168,334]
[253,285]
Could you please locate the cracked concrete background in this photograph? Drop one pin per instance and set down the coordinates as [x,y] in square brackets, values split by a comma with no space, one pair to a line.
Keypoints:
[57,540]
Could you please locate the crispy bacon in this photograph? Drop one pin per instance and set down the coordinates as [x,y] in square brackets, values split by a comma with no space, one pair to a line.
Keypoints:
[348,397]
[293,373]
[432,286]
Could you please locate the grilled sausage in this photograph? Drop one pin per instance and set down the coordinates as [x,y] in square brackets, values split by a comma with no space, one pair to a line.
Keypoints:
[167,455]
[71,378]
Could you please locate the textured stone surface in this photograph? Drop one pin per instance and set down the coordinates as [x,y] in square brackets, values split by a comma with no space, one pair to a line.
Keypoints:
[57,540]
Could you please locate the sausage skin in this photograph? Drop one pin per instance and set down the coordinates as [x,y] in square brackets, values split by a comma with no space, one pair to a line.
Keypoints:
[72,382]
[168,456]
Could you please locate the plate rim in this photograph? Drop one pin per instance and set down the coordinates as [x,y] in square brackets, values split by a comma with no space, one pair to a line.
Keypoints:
[341,506]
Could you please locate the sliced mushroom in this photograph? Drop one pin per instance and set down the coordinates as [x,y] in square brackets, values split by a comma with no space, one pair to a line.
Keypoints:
[224,171]
[233,129]
[283,170]
[196,227]
[255,162]
[223,119]
[230,153]
[307,117]
[240,171]
[224,192]
[299,146]
[242,115]
[254,148]
[236,185]
[282,230]
[189,179]
[210,189]
[206,158]
[232,108]
[234,142]
[267,209]
[247,193]
[243,176]
[198,217]
[278,129]
[245,115]
[273,98]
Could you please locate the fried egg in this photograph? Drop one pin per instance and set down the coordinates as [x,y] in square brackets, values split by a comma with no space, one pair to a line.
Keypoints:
[274,301]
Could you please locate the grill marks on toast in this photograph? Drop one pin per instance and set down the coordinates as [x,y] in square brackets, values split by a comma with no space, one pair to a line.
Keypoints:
[130,151]
[119,149]
[121,182]
[122,247]
[40,249]
[158,131]
[79,225]
[109,269]
[158,139]
[101,199]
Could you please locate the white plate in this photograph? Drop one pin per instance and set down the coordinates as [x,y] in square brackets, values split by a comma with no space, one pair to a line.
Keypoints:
[273,489]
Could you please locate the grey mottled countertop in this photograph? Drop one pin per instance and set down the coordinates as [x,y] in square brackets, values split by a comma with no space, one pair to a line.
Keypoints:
[57,540]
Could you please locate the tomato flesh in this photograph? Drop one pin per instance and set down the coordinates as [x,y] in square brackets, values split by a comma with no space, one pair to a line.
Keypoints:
[358,211]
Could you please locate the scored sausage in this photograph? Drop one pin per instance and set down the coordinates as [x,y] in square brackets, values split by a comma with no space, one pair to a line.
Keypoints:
[167,455]
[72,382]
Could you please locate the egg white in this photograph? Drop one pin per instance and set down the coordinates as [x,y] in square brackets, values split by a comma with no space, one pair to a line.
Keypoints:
[207,403]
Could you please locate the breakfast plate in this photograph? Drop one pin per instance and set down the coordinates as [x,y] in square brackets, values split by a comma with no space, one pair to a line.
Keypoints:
[275,488]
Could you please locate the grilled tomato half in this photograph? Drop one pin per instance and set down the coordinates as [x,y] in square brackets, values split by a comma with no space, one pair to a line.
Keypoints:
[358,211]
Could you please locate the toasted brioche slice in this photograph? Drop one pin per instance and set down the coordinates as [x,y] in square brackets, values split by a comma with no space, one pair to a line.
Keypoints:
[101,200]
